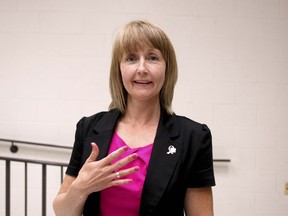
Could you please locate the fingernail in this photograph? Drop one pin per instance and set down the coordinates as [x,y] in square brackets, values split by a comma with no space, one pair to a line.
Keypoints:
[125,148]
[137,168]
[134,156]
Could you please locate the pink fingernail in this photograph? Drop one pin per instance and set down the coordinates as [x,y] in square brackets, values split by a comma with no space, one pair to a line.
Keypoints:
[125,148]
[134,156]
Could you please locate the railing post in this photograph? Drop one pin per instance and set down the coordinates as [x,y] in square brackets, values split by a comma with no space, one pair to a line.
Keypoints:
[26,189]
[8,177]
[8,189]
[44,187]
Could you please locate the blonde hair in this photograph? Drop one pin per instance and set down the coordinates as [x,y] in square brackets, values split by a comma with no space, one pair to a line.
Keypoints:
[133,36]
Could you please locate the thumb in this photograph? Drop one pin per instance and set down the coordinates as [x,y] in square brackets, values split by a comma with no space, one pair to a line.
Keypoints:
[94,153]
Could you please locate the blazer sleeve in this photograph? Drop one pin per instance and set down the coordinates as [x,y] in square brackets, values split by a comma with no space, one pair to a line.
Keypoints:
[76,156]
[201,173]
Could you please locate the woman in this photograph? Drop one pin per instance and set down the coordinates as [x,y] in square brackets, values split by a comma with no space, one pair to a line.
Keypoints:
[139,158]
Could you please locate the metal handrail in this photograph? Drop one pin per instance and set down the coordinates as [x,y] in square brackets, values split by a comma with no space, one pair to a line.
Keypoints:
[44,165]
[222,160]
[14,148]
[24,160]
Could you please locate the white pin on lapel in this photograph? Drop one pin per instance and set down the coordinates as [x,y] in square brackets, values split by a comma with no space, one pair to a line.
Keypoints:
[171,150]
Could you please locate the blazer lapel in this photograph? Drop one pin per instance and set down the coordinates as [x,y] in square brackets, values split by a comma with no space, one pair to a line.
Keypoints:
[103,132]
[162,163]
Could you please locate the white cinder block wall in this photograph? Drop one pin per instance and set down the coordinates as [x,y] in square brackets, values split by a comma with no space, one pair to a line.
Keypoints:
[233,76]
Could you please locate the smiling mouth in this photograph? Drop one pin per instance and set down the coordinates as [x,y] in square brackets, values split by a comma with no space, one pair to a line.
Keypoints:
[143,82]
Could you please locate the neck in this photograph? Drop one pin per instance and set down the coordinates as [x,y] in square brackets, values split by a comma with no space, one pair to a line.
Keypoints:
[142,113]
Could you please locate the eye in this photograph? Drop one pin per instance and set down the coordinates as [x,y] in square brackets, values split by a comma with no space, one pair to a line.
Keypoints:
[131,58]
[153,57]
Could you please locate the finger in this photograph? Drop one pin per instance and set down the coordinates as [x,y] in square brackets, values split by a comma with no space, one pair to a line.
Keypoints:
[125,172]
[94,153]
[119,182]
[123,162]
[114,155]
[118,175]
[118,178]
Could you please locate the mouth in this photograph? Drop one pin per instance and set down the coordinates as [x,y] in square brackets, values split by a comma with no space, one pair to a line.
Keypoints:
[142,82]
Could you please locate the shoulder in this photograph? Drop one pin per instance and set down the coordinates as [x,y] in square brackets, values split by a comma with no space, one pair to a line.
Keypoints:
[101,119]
[90,119]
[188,124]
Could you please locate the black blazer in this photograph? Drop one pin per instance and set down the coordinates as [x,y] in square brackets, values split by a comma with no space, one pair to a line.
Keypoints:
[168,175]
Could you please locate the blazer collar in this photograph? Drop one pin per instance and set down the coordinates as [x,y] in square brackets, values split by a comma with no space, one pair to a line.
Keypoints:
[104,130]
[107,122]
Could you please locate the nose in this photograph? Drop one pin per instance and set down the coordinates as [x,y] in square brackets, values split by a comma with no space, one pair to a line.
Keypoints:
[142,67]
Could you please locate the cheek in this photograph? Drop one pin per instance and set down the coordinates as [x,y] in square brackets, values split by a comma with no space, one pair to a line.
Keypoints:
[162,82]
[125,75]
[123,72]
[163,75]
[126,69]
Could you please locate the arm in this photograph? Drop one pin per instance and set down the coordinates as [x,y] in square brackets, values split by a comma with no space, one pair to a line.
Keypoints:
[199,202]
[66,196]
[94,176]
[199,198]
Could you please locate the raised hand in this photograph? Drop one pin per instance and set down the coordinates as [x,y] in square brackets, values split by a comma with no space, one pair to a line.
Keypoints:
[97,175]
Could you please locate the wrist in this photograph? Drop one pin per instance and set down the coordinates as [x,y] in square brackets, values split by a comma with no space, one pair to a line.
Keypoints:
[77,191]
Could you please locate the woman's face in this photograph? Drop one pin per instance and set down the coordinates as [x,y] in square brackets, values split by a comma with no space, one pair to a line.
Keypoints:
[143,73]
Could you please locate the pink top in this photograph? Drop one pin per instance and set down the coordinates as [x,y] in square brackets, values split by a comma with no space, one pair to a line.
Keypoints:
[124,200]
